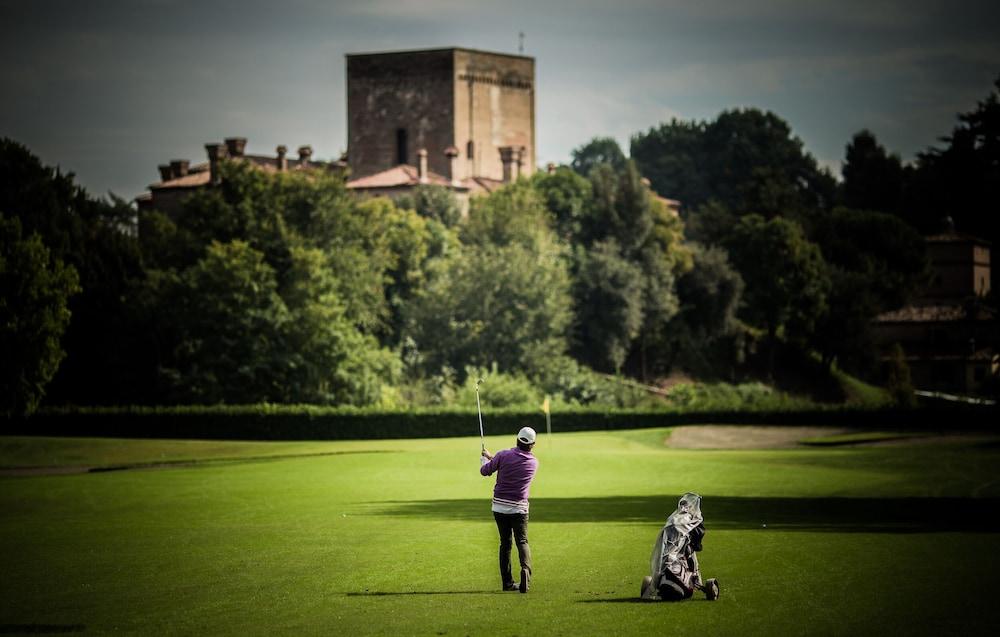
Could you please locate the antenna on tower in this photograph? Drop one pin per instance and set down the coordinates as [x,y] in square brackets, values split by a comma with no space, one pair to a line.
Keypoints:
[520,42]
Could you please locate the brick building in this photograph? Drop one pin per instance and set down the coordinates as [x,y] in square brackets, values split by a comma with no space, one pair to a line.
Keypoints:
[949,337]
[472,111]
[178,178]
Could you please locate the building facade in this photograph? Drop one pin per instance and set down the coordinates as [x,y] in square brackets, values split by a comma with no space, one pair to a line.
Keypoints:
[473,112]
[179,178]
[949,336]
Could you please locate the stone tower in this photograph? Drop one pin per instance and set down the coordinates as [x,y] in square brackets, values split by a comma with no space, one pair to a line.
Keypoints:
[480,104]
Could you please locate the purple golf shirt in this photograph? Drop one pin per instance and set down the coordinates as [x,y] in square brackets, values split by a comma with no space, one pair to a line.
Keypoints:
[516,468]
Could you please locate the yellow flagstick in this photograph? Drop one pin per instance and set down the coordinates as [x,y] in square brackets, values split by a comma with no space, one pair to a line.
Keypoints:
[548,421]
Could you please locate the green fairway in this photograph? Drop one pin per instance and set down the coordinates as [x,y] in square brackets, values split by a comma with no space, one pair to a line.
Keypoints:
[396,537]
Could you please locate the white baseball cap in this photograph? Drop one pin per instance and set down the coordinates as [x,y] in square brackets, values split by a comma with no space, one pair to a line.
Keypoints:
[526,435]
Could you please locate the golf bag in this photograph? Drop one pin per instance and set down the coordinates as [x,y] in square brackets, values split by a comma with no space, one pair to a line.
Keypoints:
[674,572]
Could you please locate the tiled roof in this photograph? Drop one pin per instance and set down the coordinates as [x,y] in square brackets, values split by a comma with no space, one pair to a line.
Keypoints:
[483,184]
[199,175]
[955,237]
[399,176]
[923,314]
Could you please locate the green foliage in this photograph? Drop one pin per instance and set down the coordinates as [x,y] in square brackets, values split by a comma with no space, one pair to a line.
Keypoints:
[873,179]
[746,159]
[506,289]
[876,263]
[609,294]
[962,179]
[499,389]
[598,151]
[35,288]
[488,304]
[433,202]
[287,308]
[723,397]
[627,257]
[567,196]
[890,254]
[704,337]
[105,348]
[786,278]
[514,214]
[620,208]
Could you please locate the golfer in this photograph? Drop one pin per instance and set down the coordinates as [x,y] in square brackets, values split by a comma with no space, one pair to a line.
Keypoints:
[516,469]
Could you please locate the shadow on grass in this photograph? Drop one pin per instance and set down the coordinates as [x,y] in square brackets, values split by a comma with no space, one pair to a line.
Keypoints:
[841,515]
[638,600]
[394,593]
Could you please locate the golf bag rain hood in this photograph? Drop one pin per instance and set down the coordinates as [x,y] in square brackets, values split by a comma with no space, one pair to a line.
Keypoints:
[673,564]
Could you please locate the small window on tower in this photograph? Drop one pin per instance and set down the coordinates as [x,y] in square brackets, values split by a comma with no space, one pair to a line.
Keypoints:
[470,149]
[401,153]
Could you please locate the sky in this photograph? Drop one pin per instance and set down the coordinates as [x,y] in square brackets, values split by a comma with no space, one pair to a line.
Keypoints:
[110,89]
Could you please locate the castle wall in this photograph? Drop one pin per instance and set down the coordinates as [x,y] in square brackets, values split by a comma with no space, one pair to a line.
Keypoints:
[441,98]
[388,92]
[494,108]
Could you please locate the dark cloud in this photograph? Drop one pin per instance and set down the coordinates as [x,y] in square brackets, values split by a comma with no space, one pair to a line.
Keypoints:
[110,89]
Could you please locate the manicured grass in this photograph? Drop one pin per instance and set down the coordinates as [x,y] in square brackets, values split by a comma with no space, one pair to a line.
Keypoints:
[396,537]
[22,451]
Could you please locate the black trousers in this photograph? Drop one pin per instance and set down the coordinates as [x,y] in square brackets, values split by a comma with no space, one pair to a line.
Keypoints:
[513,525]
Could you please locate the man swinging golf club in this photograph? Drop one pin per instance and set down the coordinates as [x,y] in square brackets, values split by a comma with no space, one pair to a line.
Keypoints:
[515,469]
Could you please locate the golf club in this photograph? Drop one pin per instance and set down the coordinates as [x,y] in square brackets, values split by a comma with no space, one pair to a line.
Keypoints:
[482,437]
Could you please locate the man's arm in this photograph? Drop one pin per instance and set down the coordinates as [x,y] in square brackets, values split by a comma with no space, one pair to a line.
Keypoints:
[488,463]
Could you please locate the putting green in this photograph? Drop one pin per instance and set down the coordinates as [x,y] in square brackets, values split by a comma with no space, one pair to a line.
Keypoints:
[396,537]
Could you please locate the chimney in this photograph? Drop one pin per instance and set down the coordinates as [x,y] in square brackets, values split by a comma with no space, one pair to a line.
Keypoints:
[179,167]
[507,159]
[215,153]
[305,152]
[452,154]
[551,168]
[165,174]
[235,146]
[282,160]
[422,165]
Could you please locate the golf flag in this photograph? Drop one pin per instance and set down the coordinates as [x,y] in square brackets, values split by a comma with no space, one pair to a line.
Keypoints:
[548,421]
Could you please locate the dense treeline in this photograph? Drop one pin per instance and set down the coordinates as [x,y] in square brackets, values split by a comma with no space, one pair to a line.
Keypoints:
[288,288]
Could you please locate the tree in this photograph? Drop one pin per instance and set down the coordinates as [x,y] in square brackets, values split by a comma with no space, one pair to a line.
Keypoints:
[887,251]
[962,179]
[620,208]
[872,178]
[326,359]
[876,263]
[105,350]
[289,307]
[34,291]
[709,295]
[490,304]
[512,214]
[565,195]
[600,150]
[433,202]
[504,292]
[746,159]
[786,278]
[609,296]
[231,318]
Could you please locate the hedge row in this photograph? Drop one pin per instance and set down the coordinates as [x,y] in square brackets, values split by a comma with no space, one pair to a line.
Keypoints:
[273,422]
